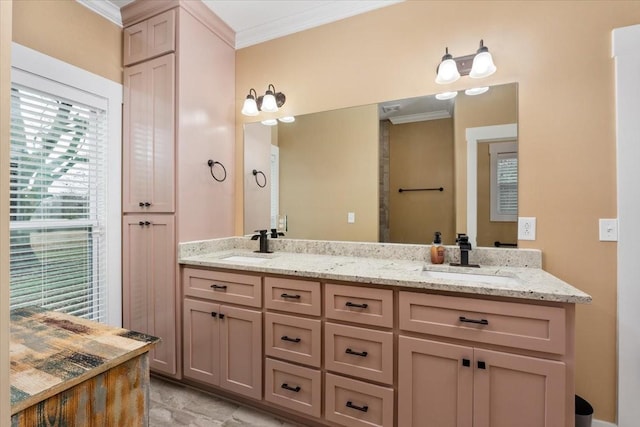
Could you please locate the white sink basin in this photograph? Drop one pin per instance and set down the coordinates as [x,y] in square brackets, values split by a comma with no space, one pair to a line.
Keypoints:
[245,259]
[471,277]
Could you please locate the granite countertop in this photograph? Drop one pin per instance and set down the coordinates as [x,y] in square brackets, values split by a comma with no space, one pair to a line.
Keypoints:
[531,283]
[51,352]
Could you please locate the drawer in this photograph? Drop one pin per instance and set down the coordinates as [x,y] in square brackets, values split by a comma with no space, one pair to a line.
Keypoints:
[360,352]
[354,403]
[294,296]
[293,338]
[293,387]
[225,287]
[526,326]
[359,304]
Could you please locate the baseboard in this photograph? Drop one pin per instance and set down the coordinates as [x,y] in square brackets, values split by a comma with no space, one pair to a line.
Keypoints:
[598,423]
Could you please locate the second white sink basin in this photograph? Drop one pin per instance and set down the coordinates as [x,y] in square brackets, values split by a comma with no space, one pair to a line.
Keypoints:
[245,259]
[471,277]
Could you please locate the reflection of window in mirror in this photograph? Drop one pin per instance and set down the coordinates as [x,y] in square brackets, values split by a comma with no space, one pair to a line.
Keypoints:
[504,181]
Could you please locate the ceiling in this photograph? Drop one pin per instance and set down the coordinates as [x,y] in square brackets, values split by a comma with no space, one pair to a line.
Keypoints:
[256,21]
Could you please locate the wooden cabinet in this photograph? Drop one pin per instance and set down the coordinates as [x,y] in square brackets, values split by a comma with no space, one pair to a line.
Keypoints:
[468,385]
[223,346]
[148,285]
[150,38]
[168,115]
[148,161]
[354,403]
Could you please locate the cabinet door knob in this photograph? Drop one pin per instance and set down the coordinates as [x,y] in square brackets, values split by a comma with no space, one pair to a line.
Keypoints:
[466,362]
[482,365]
[287,387]
[141,223]
[147,223]
[141,204]
[147,204]
[286,338]
[221,316]
[352,304]
[214,314]
[356,353]
[363,408]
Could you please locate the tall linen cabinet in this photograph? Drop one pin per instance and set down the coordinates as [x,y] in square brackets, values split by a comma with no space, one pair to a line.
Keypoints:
[179,112]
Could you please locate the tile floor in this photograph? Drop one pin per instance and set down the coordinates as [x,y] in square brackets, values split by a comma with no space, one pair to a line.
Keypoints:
[174,405]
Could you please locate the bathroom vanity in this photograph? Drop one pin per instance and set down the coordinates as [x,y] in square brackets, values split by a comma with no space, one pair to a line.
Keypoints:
[66,370]
[356,334]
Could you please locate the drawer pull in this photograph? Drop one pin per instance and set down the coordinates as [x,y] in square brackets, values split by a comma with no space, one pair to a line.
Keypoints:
[352,304]
[286,338]
[355,353]
[479,322]
[286,387]
[364,408]
[221,287]
[290,296]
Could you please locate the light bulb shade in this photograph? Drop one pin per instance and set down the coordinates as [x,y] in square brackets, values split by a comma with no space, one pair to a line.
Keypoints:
[250,108]
[446,95]
[476,91]
[269,103]
[269,122]
[483,65]
[447,72]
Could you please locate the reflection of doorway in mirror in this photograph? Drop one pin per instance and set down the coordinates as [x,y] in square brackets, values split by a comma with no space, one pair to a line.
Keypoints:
[275,187]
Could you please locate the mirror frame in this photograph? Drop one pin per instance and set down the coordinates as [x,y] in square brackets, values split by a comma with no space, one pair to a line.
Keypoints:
[475,136]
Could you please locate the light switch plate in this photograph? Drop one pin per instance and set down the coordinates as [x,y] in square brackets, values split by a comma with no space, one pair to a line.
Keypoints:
[351,217]
[527,228]
[608,229]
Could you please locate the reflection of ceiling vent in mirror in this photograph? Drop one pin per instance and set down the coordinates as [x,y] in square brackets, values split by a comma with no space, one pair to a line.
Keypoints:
[390,108]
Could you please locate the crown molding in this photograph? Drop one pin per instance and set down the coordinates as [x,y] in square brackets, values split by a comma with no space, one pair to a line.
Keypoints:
[420,117]
[330,11]
[106,9]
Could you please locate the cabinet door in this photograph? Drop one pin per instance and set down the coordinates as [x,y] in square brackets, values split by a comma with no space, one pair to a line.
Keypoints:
[435,384]
[241,351]
[135,43]
[201,339]
[512,390]
[148,136]
[161,32]
[148,300]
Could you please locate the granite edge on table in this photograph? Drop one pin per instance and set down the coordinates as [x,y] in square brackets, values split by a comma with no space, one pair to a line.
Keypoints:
[46,346]
[532,283]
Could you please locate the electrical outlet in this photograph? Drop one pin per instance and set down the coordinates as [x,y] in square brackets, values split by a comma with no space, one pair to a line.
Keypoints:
[608,230]
[527,228]
[351,217]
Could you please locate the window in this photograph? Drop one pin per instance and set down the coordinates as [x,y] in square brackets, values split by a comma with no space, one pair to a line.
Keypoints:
[504,181]
[61,222]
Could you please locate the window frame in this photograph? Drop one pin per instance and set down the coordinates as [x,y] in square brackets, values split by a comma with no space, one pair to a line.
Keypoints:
[27,64]
[496,150]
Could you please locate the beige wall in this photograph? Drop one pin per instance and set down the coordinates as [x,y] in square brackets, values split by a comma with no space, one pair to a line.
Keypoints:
[329,167]
[5,83]
[559,53]
[421,156]
[66,30]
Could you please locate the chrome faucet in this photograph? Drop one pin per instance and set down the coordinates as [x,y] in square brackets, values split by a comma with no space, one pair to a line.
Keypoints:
[465,247]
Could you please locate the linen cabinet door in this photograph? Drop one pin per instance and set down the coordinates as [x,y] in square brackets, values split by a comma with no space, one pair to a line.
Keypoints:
[435,384]
[135,272]
[201,337]
[513,390]
[241,351]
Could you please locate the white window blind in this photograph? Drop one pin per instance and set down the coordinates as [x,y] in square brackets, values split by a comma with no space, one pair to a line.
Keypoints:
[57,200]
[504,181]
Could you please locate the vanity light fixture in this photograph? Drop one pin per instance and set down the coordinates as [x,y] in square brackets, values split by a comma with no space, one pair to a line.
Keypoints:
[477,65]
[250,107]
[446,95]
[269,102]
[269,122]
[476,91]
[287,119]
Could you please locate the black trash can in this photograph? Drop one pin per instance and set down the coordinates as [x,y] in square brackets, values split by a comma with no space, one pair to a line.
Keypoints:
[584,412]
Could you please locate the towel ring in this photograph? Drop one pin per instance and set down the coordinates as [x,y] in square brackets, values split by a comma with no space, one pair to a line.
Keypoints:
[211,164]
[256,173]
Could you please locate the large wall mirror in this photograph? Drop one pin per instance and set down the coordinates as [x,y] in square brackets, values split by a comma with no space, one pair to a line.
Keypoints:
[393,172]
